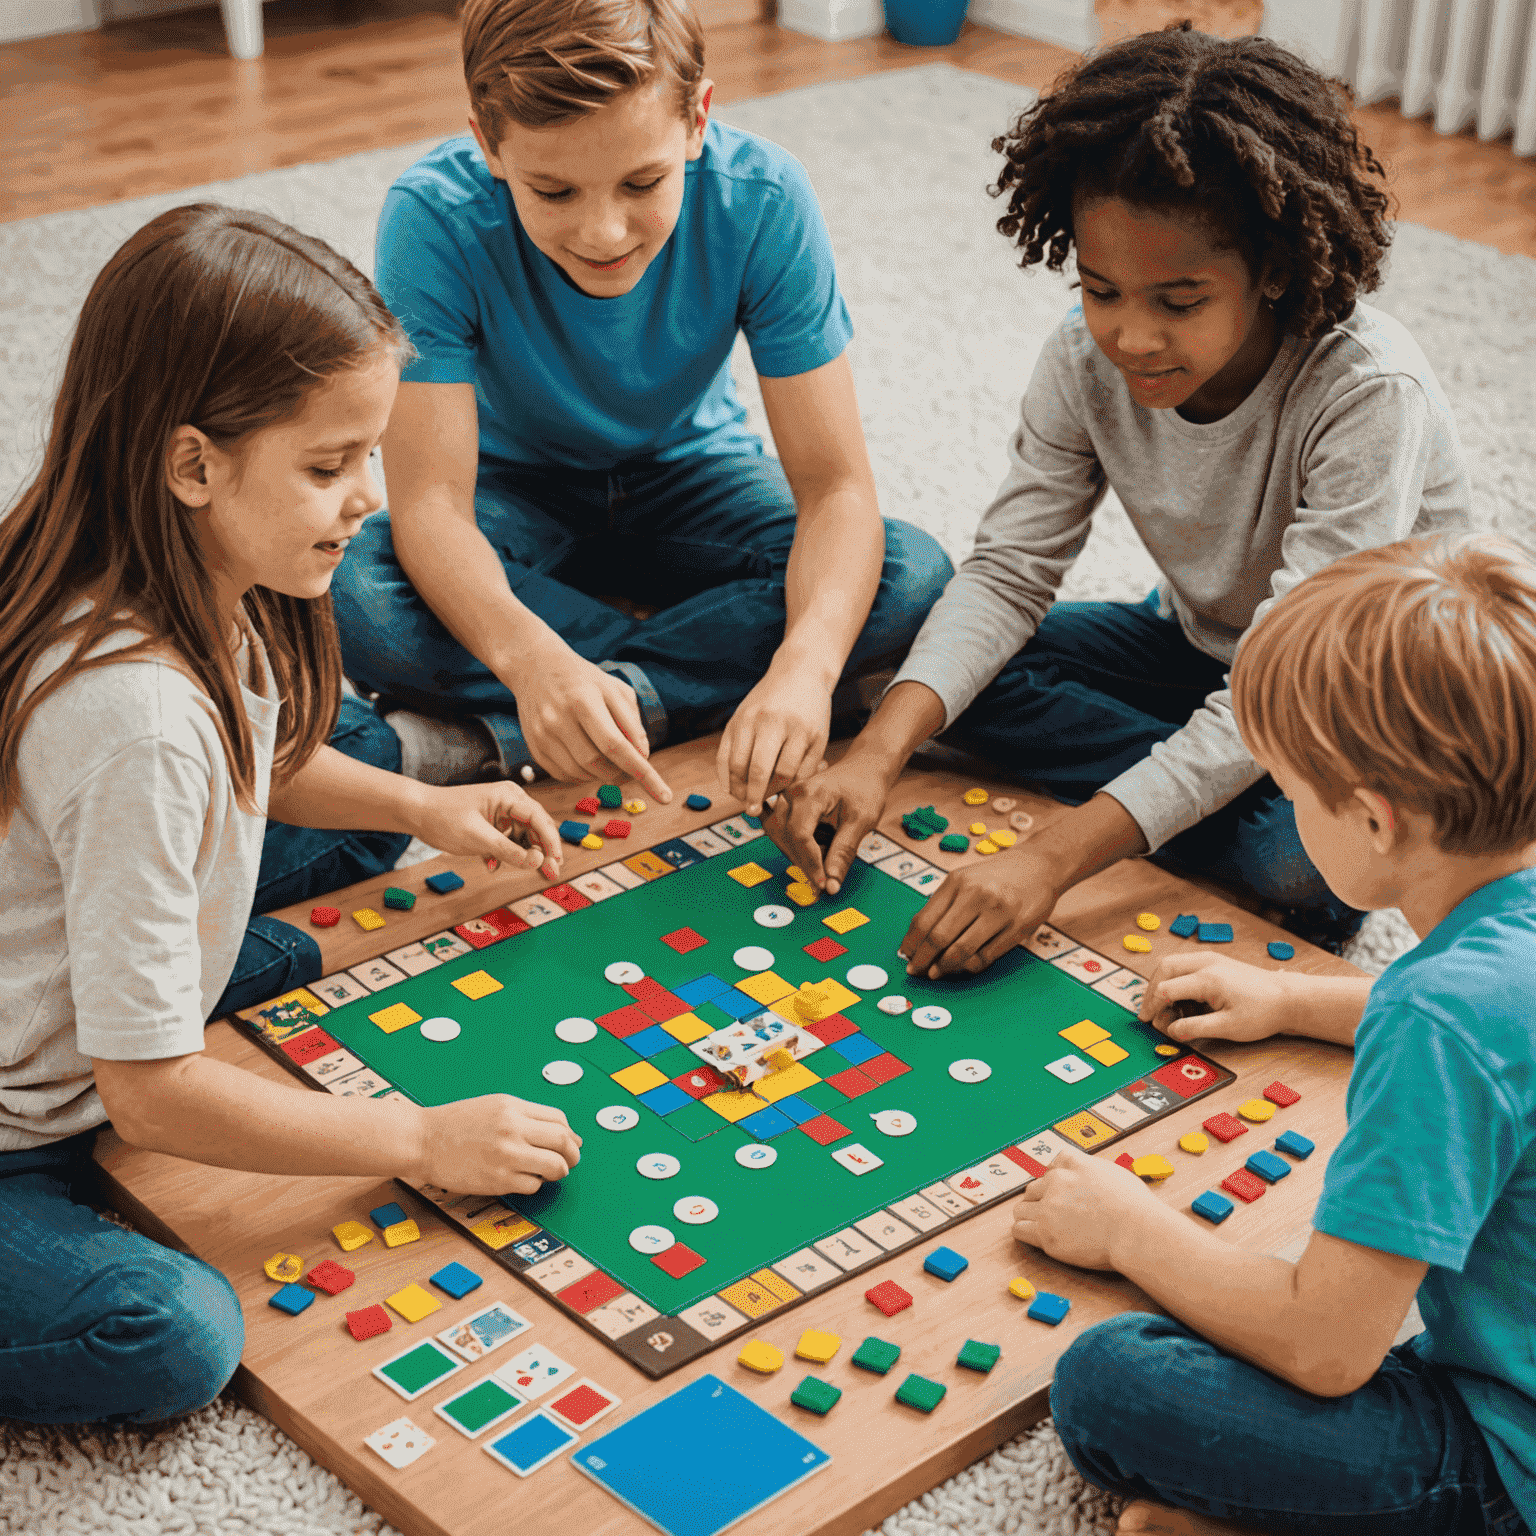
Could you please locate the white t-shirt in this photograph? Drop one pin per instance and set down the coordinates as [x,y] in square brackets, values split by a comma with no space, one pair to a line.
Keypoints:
[127,875]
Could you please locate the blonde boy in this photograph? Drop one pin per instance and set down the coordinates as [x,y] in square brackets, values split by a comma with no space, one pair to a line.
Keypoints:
[1393,697]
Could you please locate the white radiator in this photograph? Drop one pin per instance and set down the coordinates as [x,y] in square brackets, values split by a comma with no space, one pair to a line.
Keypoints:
[1465,61]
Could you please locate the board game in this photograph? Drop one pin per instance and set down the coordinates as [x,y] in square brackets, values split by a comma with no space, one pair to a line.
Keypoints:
[768,1103]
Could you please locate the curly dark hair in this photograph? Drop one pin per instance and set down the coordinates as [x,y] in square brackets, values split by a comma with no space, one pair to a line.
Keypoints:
[1239,135]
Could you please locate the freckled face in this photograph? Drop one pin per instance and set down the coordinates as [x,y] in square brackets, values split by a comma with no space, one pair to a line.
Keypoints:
[1182,319]
[600,195]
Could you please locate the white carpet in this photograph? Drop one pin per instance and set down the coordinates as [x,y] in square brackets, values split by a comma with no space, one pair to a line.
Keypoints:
[948,331]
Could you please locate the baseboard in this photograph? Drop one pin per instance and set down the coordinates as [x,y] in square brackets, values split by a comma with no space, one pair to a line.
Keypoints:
[1067,23]
[21,19]
[833,20]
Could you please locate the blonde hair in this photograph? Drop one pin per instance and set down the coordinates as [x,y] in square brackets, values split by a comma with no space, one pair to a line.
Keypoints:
[1409,670]
[543,62]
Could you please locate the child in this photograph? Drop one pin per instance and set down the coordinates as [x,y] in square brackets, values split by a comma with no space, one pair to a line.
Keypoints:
[1392,697]
[1256,421]
[168,676]
[573,279]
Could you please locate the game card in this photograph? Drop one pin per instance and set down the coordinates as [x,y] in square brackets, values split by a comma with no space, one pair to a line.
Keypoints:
[400,1443]
[535,1372]
[480,1407]
[532,1444]
[413,1370]
[581,1404]
[477,1335]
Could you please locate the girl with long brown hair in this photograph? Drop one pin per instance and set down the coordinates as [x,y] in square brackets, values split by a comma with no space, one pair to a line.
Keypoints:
[168,678]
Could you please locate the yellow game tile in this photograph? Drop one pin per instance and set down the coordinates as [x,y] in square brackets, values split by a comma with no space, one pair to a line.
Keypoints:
[767,987]
[750,1298]
[401,1233]
[846,920]
[1137,944]
[1107,1053]
[367,919]
[760,1357]
[304,998]
[729,1104]
[1003,838]
[986,845]
[779,1085]
[1021,1288]
[351,1235]
[640,1078]
[413,1303]
[591,840]
[775,1284]
[801,893]
[647,865]
[1166,1049]
[477,984]
[817,1346]
[1148,922]
[510,1228]
[1084,1034]
[284,1267]
[1085,1129]
[978,829]
[1257,1110]
[635,807]
[687,1027]
[1195,1142]
[749,875]
[1154,1167]
[781,1061]
[795,875]
[977,796]
[396,1016]
[830,990]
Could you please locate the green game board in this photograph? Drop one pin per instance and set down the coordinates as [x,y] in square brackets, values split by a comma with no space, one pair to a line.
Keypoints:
[575,1238]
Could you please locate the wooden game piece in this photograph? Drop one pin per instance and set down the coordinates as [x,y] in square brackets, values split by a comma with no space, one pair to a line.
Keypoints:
[875,1355]
[1153,1167]
[325,917]
[800,893]
[368,1322]
[330,1277]
[1021,1288]
[977,829]
[1125,1160]
[444,882]
[894,1004]
[635,807]
[1256,1110]
[919,1392]
[698,802]
[1214,933]
[1003,803]
[818,1347]
[1002,838]
[1279,950]
[1213,1207]
[399,900]
[396,1016]
[954,842]
[609,796]
[351,1235]
[588,805]
[413,1303]
[400,1233]
[970,1069]
[816,1395]
[367,919]
[1244,1185]
[1296,1144]
[1268,1167]
[1185,924]
[976,1356]
[592,841]
[456,1279]
[1048,1308]
[946,1263]
[986,845]
[1195,1143]
[1278,1093]
[1137,944]
[1148,922]
[283,1267]
[1021,821]
[387,1215]
[889,1297]
[617,828]
[291,1299]
[977,796]
[760,1357]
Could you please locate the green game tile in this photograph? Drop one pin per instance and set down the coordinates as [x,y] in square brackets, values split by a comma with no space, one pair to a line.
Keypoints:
[696,1121]
[675,1062]
[975,1356]
[607,1054]
[876,1355]
[817,1395]
[918,1392]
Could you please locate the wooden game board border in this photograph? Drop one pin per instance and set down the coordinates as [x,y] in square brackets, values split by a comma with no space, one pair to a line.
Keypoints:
[660,1344]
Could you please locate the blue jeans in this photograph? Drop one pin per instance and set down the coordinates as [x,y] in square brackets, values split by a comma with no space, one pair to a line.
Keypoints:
[97,1324]
[706,539]
[1148,1409]
[1095,688]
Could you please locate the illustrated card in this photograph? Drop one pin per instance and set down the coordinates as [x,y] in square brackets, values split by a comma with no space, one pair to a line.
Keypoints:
[475,1336]
[400,1443]
[535,1372]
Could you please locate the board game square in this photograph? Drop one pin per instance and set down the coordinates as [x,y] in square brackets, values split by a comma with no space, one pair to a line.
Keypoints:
[833,1028]
[733,1104]
[736,1004]
[309,1046]
[1084,1034]
[824,1130]
[476,985]
[846,920]
[1187,1076]
[590,1292]
[650,1042]
[796,1108]
[749,875]
[1086,1129]
[677,853]
[883,1068]
[1024,1160]
[850,1082]
[622,1022]
[490,927]
[701,989]
[664,1098]
[696,1121]
[684,941]
[638,1079]
[647,866]
[700,1082]
[826,950]
[767,987]
[687,1027]
[1107,1053]
[566,896]
[655,1000]
[779,1085]
[766,1124]
[678,1260]
[856,1048]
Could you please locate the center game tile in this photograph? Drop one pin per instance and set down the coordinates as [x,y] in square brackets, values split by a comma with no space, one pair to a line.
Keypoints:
[824,1130]
[625,1021]
[1187,1076]
[677,1261]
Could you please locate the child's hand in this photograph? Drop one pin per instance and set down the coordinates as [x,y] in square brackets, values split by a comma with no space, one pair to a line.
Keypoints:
[980,913]
[492,821]
[496,1145]
[1246,1002]
[776,737]
[1080,1208]
[850,796]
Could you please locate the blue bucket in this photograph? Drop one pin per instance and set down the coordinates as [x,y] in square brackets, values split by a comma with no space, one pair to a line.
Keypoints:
[925,23]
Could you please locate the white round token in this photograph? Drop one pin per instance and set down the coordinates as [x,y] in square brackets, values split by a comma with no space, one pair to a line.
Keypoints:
[931,1018]
[658,1165]
[576,1031]
[623,973]
[757,1155]
[695,1210]
[618,1117]
[753,957]
[894,1122]
[440,1029]
[651,1240]
[773,917]
[562,1073]
[893,1004]
[865,978]
[969,1070]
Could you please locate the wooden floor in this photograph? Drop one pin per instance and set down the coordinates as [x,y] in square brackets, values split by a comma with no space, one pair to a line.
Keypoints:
[154,105]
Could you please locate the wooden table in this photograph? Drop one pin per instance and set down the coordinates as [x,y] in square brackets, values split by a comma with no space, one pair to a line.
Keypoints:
[310,1378]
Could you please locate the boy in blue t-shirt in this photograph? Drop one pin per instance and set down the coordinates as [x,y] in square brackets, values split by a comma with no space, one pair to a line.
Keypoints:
[574,278]
[1272,1399]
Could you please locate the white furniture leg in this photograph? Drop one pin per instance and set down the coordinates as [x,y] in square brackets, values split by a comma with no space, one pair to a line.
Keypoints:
[242,26]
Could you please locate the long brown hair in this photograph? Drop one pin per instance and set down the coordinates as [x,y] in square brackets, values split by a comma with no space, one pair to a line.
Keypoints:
[223,319]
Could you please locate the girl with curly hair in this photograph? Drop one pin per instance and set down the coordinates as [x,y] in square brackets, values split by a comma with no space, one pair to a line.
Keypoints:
[1256,420]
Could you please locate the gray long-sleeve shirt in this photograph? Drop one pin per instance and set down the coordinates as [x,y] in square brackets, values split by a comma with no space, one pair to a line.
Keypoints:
[1346,443]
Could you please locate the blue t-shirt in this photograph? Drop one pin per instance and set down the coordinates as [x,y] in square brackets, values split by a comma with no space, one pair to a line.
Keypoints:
[565,378]
[1439,1161]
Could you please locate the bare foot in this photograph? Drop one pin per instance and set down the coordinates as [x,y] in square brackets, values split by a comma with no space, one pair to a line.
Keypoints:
[1149,1519]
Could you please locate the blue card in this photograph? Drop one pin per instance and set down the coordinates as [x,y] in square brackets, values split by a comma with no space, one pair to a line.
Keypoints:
[753,1458]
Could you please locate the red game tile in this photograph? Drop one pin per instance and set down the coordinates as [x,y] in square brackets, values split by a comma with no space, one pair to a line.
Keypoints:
[589,805]
[654,998]
[308,1046]
[325,917]
[831,1028]
[615,829]
[684,940]
[490,928]
[826,949]
[1025,1161]
[889,1297]
[1125,1160]
[582,1403]
[368,1323]
[1245,1185]
[824,1130]
[566,896]
[330,1277]
[881,1069]
[702,1081]
[850,1083]
[1278,1093]
[1187,1076]
[1225,1127]
[627,1020]
[590,1293]
[678,1260]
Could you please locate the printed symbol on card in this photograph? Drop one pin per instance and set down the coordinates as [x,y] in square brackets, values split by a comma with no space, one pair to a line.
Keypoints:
[400,1443]
[535,1371]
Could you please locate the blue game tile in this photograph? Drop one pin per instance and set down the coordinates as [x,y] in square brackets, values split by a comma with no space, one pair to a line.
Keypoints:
[456,1280]
[698,802]
[946,1263]
[651,1042]
[856,1048]
[445,882]
[386,1215]
[540,1246]
[1287,1141]
[291,1299]
[677,853]
[1184,925]
[531,1444]
[755,822]
[765,1123]
[664,1098]
[1049,1308]
[1214,933]
[797,1109]
[701,989]
[737,1004]
[1268,1167]
[1215,1208]
[574,831]
[1279,950]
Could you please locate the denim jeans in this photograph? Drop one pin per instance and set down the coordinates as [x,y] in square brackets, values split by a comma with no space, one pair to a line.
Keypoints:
[98,1324]
[1148,1409]
[1095,688]
[706,539]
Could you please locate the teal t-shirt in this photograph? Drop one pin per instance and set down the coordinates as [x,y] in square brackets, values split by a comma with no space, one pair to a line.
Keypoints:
[1439,1161]
[565,378]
